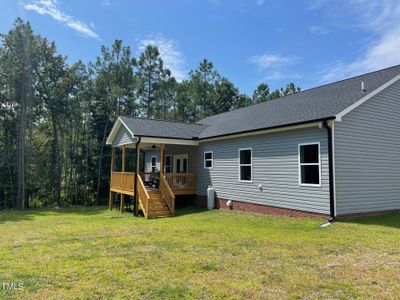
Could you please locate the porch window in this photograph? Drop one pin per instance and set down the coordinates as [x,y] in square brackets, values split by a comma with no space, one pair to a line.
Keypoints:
[208,160]
[309,164]
[167,167]
[153,164]
[245,164]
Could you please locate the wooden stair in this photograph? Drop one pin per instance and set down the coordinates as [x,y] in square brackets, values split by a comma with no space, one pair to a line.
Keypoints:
[158,208]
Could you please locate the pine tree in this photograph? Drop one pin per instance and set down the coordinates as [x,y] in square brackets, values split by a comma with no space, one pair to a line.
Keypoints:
[18,58]
[150,75]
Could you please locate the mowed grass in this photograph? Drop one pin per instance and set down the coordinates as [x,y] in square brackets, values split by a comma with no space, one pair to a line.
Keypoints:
[89,253]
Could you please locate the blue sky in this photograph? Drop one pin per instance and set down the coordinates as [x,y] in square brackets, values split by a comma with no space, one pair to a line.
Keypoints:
[249,41]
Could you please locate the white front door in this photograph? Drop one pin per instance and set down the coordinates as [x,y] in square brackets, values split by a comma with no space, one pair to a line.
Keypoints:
[181,163]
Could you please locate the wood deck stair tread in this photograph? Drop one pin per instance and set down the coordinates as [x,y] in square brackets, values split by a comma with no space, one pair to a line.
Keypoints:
[157,206]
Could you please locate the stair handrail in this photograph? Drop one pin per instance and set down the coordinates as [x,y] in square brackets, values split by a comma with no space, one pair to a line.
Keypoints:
[143,195]
[167,194]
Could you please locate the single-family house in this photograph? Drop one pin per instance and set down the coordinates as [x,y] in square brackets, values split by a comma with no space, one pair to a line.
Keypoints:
[332,150]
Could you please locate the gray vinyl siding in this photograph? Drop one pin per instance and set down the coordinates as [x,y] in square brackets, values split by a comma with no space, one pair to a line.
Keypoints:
[367,155]
[123,137]
[275,166]
[172,150]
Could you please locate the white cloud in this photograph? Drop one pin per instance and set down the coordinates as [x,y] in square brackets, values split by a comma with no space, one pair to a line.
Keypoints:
[381,21]
[50,8]
[237,5]
[260,2]
[275,67]
[267,60]
[318,30]
[170,53]
[317,4]
[109,3]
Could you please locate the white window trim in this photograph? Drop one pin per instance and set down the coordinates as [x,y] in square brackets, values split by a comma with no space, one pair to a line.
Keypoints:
[251,165]
[151,164]
[310,164]
[205,160]
[175,157]
[170,163]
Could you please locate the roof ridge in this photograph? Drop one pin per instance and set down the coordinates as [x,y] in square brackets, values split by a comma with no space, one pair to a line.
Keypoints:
[345,79]
[160,120]
[303,91]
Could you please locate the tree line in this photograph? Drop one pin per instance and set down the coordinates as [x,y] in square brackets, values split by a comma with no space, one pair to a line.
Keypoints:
[55,116]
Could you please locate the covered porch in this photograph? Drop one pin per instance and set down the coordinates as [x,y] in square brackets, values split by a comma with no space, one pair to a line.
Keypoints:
[157,172]
[152,161]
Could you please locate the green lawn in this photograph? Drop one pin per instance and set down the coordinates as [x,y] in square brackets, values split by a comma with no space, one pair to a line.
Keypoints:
[85,253]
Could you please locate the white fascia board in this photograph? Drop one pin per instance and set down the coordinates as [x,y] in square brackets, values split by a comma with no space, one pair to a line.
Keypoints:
[114,131]
[340,115]
[317,124]
[156,140]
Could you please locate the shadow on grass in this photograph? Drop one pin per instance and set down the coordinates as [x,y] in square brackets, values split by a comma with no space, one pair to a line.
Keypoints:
[391,219]
[188,210]
[30,214]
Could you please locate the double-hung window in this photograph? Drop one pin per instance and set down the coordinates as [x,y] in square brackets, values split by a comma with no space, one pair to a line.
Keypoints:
[167,167]
[208,160]
[153,164]
[309,164]
[245,165]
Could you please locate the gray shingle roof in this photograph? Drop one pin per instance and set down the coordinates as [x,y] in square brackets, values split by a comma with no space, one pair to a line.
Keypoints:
[165,129]
[314,104]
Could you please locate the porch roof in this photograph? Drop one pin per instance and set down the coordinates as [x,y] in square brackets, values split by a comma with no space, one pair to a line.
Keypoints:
[149,128]
[162,129]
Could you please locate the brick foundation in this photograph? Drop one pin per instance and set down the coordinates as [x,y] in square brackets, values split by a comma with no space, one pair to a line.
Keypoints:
[365,214]
[220,203]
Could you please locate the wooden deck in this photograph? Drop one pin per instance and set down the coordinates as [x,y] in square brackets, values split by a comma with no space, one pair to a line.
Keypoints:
[180,183]
[122,183]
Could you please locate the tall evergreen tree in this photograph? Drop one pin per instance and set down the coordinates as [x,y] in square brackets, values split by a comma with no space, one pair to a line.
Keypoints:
[226,96]
[18,58]
[261,93]
[113,93]
[150,75]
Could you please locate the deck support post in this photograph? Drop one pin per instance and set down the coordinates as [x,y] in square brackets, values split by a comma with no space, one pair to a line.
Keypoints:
[112,170]
[122,204]
[162,148]
[197,166]
[110,200]
[136,198]
[123,159]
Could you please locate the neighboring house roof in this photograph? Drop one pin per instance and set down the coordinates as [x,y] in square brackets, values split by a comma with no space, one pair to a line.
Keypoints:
[320,103]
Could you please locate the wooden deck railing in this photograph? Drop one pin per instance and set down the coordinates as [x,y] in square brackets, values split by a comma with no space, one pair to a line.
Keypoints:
[122,181]
[181,180]
[144,197]
[167,194]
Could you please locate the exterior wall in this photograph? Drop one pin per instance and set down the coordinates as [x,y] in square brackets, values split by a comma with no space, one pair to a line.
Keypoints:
[172,150]
[367,155]
[147,159]
[275,166]
[123,137]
